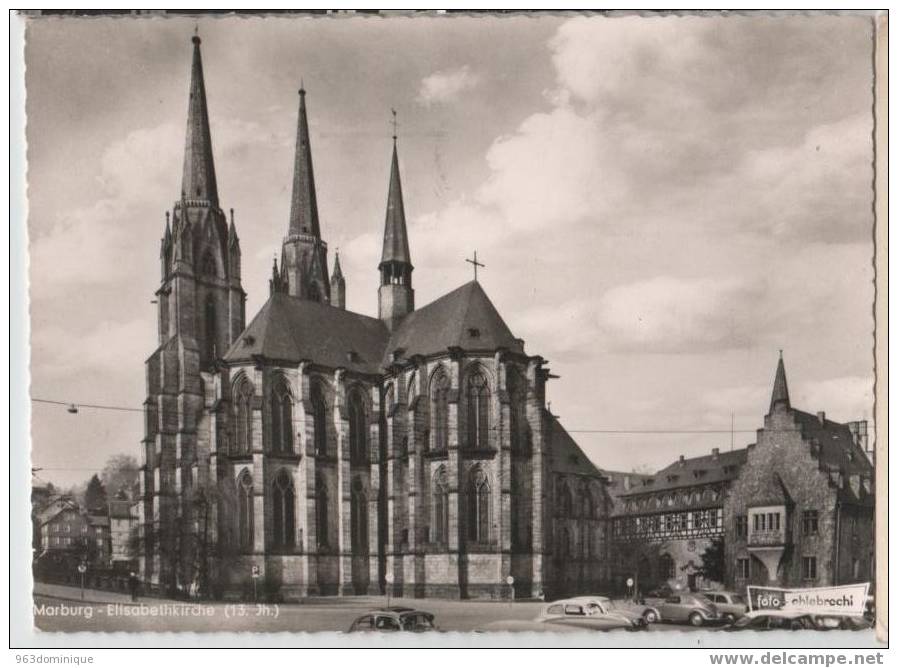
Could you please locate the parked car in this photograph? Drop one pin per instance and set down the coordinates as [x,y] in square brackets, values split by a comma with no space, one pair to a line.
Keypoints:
[730,605]
[394,619]
[631,609]
[685,607]
[594,609]
[791,620]
[570,615]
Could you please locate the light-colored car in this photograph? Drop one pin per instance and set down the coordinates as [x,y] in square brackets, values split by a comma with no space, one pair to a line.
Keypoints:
[588,612]
[730,605]
[694,609]
[394,620]
[632,610]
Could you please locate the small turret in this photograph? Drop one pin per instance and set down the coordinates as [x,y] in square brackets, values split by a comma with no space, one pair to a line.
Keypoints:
[780,394]
[338,285]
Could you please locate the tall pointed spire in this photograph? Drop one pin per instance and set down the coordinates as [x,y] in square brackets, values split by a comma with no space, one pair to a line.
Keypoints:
[396,297]
[780,393]
[338,272]
[304,204]
[338,284]
[395,235]
[199,181]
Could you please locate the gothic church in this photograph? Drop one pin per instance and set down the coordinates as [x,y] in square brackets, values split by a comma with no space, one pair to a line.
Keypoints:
[317,451]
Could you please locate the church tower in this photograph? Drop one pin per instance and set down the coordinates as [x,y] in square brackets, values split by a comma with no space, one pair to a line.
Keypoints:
[304,261]
[201,301]
[201,312]
[396,298]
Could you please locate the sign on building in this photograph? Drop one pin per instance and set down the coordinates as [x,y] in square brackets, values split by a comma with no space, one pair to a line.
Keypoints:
[843,600]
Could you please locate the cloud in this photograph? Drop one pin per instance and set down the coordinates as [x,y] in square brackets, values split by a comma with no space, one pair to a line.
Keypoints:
[668,314]
[444,86]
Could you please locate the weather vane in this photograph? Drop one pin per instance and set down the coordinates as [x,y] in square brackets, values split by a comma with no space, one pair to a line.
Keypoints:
[393,122]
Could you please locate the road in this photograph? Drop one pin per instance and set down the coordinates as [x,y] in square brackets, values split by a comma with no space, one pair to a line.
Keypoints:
[59,608]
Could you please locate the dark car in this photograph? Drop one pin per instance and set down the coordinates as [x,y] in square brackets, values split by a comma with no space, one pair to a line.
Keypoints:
[394,620]
[783,620]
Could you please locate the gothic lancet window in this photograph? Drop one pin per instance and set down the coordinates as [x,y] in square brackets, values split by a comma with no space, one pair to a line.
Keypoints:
[439,505]
[359,518]
[281,417]
[565,501]
[245,511]
[210,328]
[440,410]
[358,429]
[243,423]
[518,419]
[321,511]
[208,266]
[478,502]
[284,511]
[478,415]
[319,418]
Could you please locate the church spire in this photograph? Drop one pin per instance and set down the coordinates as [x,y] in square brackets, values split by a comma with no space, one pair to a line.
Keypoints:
[780,388]
[395,235]
[396,298]
[304,204]
[198,182]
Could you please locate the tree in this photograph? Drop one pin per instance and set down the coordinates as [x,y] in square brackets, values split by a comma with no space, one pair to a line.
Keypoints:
[95,495]
[121,474]
[713,565]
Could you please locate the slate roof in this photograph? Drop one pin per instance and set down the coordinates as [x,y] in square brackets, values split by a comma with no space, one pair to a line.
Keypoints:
[838,448]
[453,320]
[395,235]
[688,472]
[292,329]
[567,456]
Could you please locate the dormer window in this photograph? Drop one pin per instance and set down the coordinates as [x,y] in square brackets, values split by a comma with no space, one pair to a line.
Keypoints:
[473,332]
[352,356]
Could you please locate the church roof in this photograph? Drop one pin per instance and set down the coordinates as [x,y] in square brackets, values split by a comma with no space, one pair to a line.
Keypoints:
[464,318]
[293,329]
[567,456]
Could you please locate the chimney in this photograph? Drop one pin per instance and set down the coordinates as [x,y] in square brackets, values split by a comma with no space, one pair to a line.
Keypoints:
[682,460]
[821,416]
[715,452]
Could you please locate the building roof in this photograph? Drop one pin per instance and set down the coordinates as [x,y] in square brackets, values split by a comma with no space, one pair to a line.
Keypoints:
[464,318]
[98,520]
[567,456]
[688,472]
[621,482]
[293,329]
[838,448]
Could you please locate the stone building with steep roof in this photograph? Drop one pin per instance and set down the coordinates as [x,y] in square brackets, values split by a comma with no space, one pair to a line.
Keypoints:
[801,511]
[323,451]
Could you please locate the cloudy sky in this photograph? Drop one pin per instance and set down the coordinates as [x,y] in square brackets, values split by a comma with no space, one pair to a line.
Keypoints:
[661,203]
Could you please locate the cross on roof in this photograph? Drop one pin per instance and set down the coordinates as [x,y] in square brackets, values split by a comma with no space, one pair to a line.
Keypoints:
[393,122]
[475,263]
